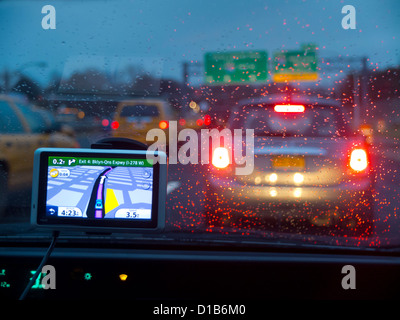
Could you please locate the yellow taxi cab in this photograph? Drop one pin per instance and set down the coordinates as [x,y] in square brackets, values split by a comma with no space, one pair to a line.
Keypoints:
[134,118]
[22,130]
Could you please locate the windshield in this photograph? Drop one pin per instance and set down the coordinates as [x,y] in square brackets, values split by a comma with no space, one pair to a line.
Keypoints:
[281,118]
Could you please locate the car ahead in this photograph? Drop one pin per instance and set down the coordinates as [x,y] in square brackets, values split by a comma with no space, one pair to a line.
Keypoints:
[23,129]
[309,165]
[135,117]
[195,116]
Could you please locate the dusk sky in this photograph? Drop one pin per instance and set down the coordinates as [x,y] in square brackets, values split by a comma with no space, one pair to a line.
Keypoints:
[162,34]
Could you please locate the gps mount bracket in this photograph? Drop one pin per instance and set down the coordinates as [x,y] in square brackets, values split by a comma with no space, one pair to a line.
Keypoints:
[119,143]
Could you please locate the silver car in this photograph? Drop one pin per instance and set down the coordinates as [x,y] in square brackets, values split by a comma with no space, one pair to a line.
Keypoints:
[309,164]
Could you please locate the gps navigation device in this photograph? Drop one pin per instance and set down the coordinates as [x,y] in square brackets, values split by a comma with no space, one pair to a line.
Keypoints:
[99,189]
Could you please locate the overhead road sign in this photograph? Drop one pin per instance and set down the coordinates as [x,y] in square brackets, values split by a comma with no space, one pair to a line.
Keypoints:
[295,66]
[239,67]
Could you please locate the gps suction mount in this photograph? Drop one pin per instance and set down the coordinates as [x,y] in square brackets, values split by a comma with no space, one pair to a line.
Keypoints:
[119,143]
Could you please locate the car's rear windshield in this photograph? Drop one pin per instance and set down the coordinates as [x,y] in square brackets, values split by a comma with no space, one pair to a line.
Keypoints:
[308,121]
[140,110]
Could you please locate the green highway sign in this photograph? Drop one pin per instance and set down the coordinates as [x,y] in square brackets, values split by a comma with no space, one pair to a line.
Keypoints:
[295,66]
[240,67]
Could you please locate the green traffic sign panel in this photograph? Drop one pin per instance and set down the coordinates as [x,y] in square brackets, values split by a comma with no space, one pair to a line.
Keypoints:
[238,67]
[295,66]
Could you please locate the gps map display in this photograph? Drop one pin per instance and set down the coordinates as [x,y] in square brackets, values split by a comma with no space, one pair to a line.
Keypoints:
[99,188]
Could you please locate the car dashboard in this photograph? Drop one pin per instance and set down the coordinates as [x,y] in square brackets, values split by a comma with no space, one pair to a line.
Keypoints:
[192,273]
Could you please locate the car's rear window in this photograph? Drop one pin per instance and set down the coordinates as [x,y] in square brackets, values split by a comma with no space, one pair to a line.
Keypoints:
[138,111]
[321,121]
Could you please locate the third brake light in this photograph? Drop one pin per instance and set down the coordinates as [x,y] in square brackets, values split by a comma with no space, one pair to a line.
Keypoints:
[289,108]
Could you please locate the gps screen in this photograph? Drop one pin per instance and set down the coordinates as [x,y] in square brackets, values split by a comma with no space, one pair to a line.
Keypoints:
[99,188]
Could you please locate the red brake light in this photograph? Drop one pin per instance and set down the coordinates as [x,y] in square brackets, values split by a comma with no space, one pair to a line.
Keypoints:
[358,160]
[289,108]
[220,158]
[163,124]
[207,120]
[199,122]
[114,125]
[182,122]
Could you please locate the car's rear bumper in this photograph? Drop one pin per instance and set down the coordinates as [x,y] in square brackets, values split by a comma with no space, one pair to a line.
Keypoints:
[225,193]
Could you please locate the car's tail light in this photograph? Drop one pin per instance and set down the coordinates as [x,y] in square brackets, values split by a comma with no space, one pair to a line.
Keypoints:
[289,108]
[163,124]
[114,125]
[207,120]
[105,122]
[199,122]
[220,157]
[358,160]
